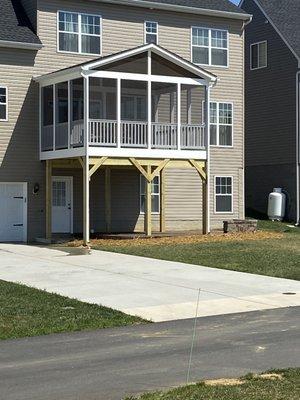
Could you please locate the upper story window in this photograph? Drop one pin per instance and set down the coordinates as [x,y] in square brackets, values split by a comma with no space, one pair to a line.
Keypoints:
[151,32]
[3,104]
[79,33]
[259,56]
[210,47]
[221,124]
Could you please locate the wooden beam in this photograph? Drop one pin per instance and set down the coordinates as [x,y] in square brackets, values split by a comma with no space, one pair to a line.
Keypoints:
[157,170]
[204,207]
[48,199]
[200,169]
[108,200]
[148,205]
[96,166]
[81,161]
[162,216]
[146,173]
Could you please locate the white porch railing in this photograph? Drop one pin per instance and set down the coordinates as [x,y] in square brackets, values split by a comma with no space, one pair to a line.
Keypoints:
[164,136]
[134,134]
[103,133]
[77,133]
[192,137]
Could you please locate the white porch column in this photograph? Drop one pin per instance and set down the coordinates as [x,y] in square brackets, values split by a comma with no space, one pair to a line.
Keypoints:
[207,141]
[189,106]
[70,102]
[119,99]
[86,180]
[54,114]
[149,101]
[179,116]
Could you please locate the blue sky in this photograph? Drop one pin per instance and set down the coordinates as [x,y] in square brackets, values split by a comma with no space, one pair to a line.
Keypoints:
[235,1]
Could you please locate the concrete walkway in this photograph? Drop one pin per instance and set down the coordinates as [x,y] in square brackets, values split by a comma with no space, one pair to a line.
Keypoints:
[153,289]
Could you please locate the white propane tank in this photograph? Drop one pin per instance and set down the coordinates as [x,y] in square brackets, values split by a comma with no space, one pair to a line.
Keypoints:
[276,206]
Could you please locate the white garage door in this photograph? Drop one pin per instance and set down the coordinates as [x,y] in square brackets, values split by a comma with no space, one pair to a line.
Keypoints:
[13,212]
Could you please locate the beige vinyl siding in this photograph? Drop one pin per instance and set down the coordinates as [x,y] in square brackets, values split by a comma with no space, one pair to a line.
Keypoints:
[19,152]
[122,29]
[30,7]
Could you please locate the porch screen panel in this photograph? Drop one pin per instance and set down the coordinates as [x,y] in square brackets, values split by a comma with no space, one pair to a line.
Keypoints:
[77,113]
[61,129]
[103,111]
[134,114]
[47,118]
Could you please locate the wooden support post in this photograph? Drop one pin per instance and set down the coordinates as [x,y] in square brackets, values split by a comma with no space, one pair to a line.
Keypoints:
[48,199]
[148,205]
[86,203]
[162,202]
[204,207]
[108,200]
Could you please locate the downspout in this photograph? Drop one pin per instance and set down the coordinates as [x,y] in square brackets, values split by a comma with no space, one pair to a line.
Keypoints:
[297,149]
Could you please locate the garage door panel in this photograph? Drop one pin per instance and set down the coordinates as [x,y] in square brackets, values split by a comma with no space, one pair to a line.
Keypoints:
[12,219]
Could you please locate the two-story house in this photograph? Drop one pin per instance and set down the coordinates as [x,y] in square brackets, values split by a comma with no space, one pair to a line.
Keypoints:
[272,71]
[120,116]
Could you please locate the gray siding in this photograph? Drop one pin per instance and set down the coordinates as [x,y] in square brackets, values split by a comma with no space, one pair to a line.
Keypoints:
[270,115]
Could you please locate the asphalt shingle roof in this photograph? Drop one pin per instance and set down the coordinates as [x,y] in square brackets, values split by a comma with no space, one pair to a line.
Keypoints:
[219,5]
[286,17]
[14,23]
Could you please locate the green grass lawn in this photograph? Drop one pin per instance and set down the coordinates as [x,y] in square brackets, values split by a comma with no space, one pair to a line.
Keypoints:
[252,388]
[25,311]
[273,257]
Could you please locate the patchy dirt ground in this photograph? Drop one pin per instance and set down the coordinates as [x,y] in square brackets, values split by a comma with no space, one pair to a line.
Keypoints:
[214,237]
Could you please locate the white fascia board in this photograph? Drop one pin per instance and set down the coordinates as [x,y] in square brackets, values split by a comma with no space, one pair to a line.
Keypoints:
[178,8]
[20,45]
[59,76]
[157,50]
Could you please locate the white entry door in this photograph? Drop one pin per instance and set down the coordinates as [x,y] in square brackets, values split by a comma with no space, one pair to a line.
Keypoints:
[13,212]
[62,204]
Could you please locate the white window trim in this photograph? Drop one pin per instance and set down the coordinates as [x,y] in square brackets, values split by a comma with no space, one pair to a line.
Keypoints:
[79,33]
[145,30]
[215,195]
[255,44]
[152,194]
[218,125]
[210,47]
[5,104]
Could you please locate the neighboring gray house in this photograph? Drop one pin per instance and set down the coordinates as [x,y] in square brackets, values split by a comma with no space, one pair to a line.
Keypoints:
[272,55]
[105,107]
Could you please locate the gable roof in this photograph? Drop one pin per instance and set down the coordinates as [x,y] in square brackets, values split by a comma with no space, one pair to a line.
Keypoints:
[16,29]
[285,17]
[168,55]
[221,8]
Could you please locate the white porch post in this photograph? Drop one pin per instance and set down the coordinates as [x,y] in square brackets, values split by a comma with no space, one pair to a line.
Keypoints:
[189,106]
[119,99]
[179,116]
[207,129]
[149,102]
[86,180]
[70,101]
[54,115]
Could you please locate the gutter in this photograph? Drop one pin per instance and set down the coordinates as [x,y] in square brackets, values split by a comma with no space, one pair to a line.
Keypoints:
[20,45]
[177,8]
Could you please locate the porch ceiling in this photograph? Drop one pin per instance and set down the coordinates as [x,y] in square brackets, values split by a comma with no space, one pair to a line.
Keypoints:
[87,67]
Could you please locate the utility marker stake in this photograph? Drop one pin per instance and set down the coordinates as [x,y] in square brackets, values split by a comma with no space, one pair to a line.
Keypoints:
[193,339]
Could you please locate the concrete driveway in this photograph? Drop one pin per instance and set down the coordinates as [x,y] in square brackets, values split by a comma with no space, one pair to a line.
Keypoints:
[153,289]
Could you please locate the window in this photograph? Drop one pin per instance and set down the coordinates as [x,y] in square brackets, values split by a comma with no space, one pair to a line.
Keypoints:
[223,194]
[259,55]
[210,47]
[155,195]
[221,124]
[134,108]
[151,32]
[79,33]
[3,104]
